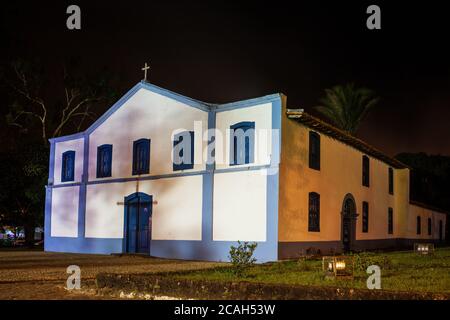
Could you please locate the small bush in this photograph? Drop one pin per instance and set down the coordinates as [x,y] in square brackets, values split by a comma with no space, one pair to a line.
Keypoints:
[303,264]
[365,259]
[6,242]
[241,257]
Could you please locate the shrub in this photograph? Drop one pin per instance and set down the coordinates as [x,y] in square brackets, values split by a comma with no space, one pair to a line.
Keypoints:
[365,259]
[241,257]
[303,264]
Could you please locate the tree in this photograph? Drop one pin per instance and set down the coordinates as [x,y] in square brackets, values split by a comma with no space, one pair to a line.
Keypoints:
[29,107]
[24,175]
[41,106]
[346,106]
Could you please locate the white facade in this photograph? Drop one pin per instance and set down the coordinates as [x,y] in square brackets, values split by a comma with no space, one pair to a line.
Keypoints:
[196,213]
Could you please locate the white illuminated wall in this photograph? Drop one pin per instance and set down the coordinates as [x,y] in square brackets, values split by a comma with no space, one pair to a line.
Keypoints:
[76,145]
[240,198]
[177,216]
[262,116]
[146,115]
[64,219]
[240,210]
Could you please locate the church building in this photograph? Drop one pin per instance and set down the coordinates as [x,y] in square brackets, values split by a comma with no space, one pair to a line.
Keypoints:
[169,176]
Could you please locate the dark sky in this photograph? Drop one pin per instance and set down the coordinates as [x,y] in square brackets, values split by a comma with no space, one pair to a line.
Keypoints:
[227,51]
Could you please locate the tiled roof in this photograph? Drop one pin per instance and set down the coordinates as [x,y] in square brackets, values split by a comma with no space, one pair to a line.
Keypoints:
[321,126]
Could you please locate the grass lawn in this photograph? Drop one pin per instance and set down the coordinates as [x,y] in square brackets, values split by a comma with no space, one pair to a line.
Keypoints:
[400,271]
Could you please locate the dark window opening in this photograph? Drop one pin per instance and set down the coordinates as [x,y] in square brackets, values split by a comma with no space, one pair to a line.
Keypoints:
[390,221]
[365,171]
[419,225]
[68,166]
[429,226]
[314,150]
[391,181]
[104,161]
[183,158]
[365,217]
[314,212]
[242,143]
[141,156]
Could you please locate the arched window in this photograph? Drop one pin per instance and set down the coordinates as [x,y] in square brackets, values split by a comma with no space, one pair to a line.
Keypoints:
[314,150]
[314,212]
[68,166]
[419,225]
[104,160]
[429,226]
[242,143]
[365,216]
[141,156]
[183,151]
[365,171]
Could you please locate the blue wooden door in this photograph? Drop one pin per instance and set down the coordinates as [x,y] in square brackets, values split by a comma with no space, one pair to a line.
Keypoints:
[144,227]
[138,223]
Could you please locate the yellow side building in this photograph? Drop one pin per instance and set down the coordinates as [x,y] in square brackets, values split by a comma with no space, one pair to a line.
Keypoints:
[337,194]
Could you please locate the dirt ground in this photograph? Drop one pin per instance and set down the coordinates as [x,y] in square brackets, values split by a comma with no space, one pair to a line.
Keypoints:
[42,275]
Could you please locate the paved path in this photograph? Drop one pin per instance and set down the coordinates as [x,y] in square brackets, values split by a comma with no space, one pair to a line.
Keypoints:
[42,275]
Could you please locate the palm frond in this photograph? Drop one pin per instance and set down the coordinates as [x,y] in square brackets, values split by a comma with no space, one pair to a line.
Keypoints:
[347,106]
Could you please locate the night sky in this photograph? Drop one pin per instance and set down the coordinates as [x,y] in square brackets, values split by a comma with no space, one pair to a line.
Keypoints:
[227,51]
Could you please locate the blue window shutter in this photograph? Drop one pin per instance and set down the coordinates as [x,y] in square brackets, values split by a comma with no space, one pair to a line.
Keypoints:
[242,152]
[185,162]
[141,156]
[104,161]
[68,166]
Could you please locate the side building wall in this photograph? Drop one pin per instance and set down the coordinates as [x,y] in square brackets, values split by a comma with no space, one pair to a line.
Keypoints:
[340,175]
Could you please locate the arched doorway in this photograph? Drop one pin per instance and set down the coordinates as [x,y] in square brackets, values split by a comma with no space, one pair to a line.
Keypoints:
[348,230]
[137,223]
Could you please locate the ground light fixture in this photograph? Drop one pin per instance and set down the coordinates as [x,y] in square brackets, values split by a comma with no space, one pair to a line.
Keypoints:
[424,248]
[338,266]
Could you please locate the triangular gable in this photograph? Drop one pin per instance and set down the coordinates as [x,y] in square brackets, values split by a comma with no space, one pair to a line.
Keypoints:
[207,107]
[145,85]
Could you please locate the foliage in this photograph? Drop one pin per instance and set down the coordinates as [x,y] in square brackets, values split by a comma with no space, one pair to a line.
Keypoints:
[241,257]
[366,259]
[408,272]
[347,106]
[33,110]
[41,104]
[303,264]
[24,173]
[430,178]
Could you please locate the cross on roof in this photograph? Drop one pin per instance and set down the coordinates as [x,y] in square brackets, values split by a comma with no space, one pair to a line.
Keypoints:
[145,68]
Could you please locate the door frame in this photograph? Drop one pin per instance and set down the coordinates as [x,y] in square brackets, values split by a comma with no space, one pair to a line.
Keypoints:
[142,197]
[352,216]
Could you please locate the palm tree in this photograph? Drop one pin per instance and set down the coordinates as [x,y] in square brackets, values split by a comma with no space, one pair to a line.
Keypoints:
[346,106]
